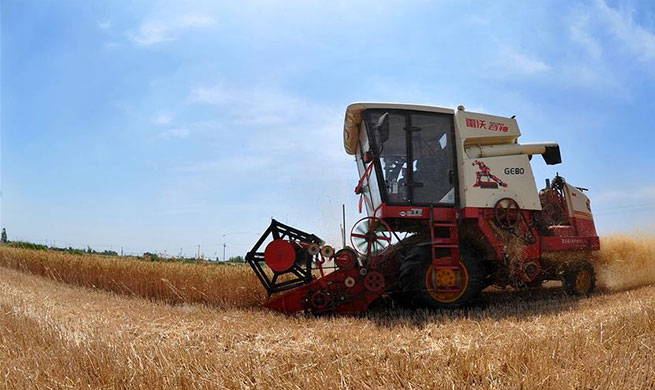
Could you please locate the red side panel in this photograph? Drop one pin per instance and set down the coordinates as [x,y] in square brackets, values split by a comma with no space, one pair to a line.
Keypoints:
[341,299]
[485,218]
[416,212]
[585,226]
[569,243]
[562,231]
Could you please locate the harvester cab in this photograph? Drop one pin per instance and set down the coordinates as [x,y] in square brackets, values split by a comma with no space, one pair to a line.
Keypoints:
[452,207]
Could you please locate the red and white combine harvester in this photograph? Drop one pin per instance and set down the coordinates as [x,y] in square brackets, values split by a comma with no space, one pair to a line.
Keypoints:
[452,208]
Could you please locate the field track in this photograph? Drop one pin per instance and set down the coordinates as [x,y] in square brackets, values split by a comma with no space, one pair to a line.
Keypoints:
[55,335]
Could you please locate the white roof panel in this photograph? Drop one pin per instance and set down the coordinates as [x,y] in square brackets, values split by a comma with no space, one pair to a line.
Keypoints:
[354,116]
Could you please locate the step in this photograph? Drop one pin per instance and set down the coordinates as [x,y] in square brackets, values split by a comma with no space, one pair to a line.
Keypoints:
[444,240]
[444,224]
[438,245]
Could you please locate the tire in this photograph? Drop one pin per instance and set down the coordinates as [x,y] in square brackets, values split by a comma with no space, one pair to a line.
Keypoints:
[414,277]
[579,280]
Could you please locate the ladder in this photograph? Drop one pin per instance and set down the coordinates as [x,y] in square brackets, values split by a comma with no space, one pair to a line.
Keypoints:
[444,238]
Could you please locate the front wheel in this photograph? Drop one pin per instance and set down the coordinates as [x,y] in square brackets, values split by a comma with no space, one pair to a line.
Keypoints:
[423,285]
[579,280]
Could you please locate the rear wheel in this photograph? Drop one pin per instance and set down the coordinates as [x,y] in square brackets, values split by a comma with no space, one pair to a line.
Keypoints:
[423,285]
[580,280]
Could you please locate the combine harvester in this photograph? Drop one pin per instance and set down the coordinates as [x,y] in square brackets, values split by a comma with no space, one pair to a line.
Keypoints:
[452,207]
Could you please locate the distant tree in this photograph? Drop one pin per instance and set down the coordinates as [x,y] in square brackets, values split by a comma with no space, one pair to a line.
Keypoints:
[150,256]
[236,259]
[27,245]
[3,238]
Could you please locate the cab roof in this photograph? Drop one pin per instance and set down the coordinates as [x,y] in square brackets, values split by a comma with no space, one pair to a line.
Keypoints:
[354,117]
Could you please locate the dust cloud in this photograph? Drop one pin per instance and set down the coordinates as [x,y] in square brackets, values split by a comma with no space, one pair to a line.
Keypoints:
[626,261]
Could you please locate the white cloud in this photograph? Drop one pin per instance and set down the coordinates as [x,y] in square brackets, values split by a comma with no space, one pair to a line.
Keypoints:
[603,33]
[579,33]
[209,95]
[173,133]
[257,107]
[292,133]
[105,25]
[151,32]
[593,76]
[521,63]
[229,164]
[628,204]
[625,197]
[478,20]
[636,39]
[194,20]
[162,118]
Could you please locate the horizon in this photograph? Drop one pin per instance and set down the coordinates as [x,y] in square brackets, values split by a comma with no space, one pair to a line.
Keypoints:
[160,126]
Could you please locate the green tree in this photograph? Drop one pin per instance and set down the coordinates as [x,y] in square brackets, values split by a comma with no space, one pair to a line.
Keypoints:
[3,238]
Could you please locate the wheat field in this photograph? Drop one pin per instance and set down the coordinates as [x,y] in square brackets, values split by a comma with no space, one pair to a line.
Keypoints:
[171,282]
[121,328]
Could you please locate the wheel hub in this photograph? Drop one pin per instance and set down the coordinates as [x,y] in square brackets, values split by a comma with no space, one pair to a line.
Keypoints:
[445,278]
[446,285]
[374,281]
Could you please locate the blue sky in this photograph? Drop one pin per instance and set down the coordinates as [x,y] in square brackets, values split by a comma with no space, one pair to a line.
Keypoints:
[157,125]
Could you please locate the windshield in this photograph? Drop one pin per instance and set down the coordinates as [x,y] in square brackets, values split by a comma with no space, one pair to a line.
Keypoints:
[414,153]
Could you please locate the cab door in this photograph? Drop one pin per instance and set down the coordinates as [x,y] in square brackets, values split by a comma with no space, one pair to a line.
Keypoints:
[415,159]
[433,176]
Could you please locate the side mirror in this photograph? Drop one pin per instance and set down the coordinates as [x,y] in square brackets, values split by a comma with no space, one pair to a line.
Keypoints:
[382,129]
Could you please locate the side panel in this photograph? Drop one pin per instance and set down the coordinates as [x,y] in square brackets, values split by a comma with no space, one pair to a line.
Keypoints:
[487,180]
[578,202]
[483,181]
[580,211]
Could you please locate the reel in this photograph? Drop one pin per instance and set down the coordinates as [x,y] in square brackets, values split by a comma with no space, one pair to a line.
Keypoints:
[370,236]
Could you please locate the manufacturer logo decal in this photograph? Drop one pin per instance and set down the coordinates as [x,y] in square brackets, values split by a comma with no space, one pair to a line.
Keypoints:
[480,124]
[514,171]
[484,178]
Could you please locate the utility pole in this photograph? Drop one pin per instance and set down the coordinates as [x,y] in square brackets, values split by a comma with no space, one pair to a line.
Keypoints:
[230,233]
[343,226]
[224,234]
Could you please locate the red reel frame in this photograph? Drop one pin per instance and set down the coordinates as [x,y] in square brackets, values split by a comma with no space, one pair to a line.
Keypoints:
[370,236]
